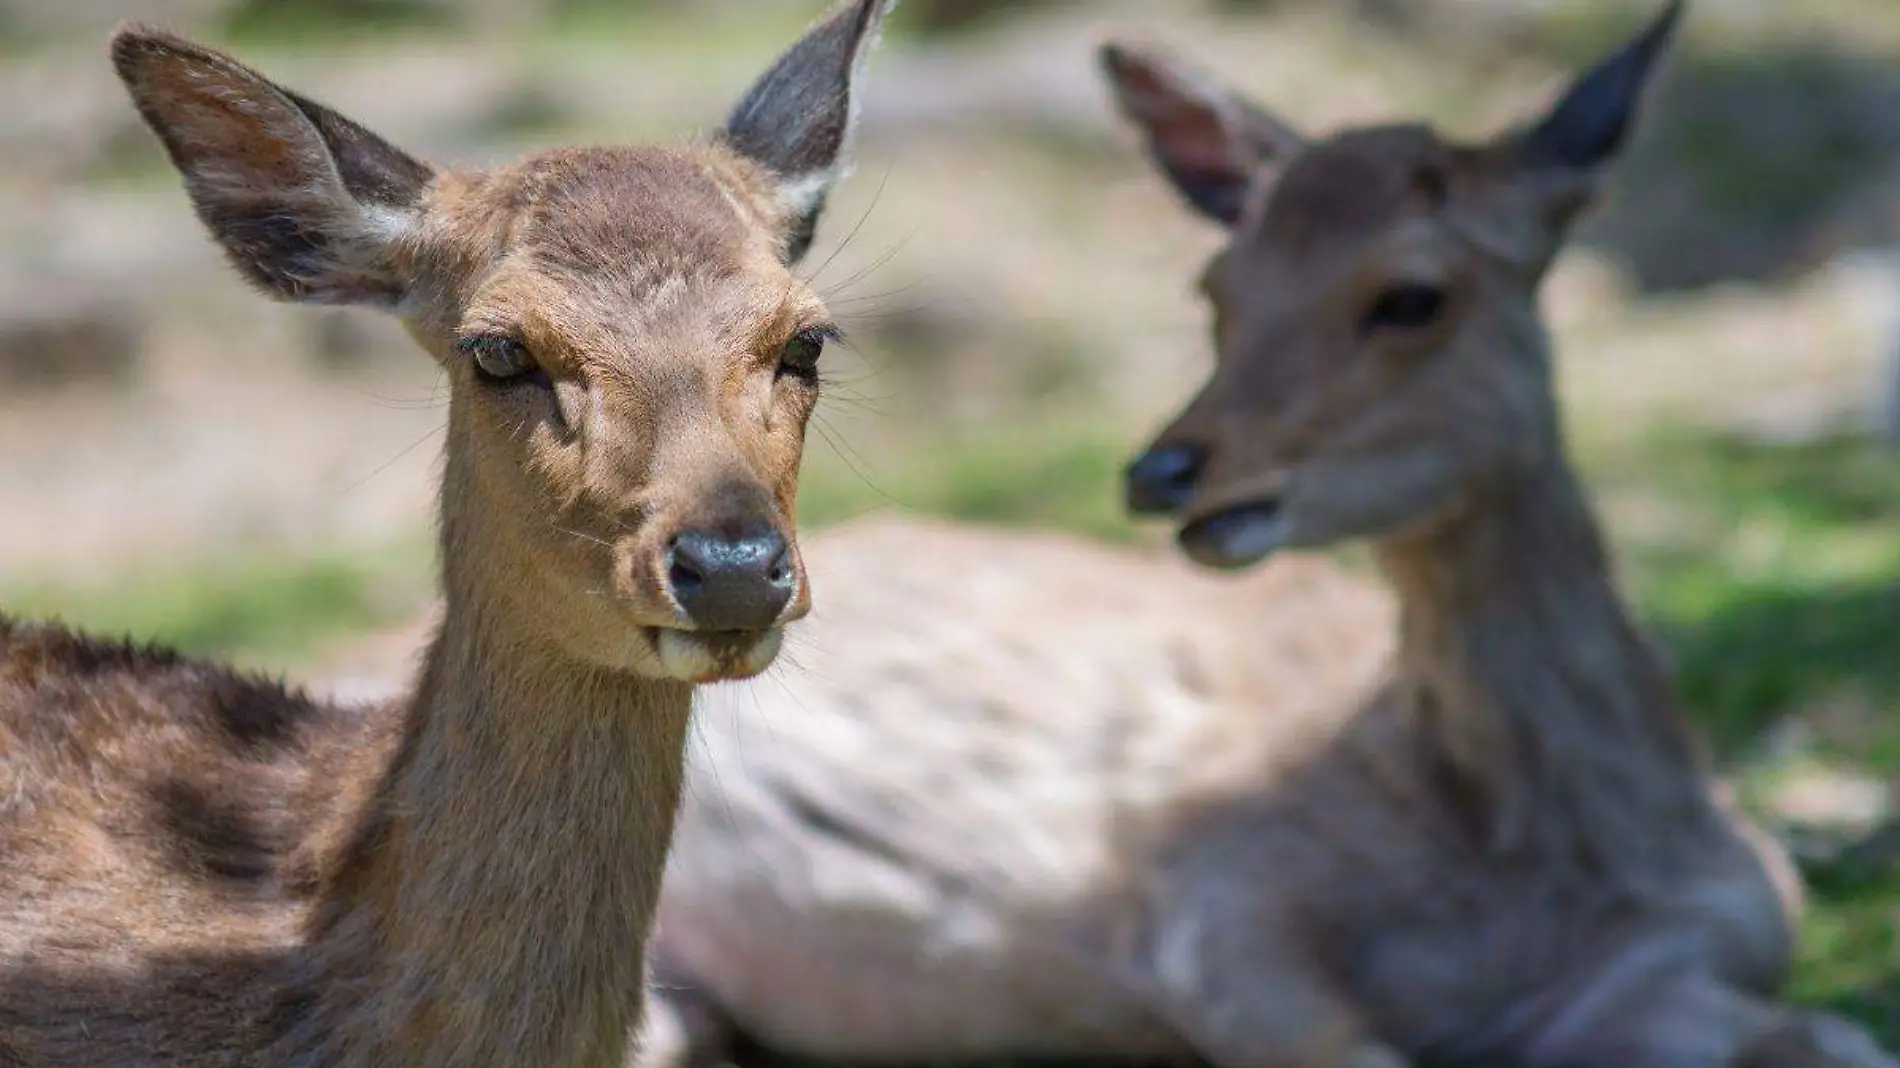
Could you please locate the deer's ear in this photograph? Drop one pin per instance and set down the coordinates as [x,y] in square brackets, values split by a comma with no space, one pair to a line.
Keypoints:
[1209,140]
[308,205]
[796,120]
[1591,122]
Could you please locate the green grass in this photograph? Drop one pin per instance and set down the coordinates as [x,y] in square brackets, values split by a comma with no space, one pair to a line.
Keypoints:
[1060,477]
[253,612]
[1851,947]
[1780,586]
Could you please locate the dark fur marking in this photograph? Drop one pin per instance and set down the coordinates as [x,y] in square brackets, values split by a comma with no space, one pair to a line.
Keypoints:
[1217,195]
[207,834]
[373,170]
[294,1006]
[257,715]
[270,245]
[824,823]
[1466,799]
[804,232]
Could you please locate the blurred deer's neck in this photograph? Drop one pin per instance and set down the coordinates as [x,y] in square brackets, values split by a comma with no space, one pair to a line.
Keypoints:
[1550,715]
[494,903]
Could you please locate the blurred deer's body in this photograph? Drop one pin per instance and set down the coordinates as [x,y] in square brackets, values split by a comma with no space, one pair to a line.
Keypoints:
[1129,807]
[1084,804]
[935,845]
[202,870]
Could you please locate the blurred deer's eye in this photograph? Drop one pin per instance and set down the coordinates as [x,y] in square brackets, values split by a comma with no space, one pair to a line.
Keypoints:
[497,358]
[1404,307]
[800,358]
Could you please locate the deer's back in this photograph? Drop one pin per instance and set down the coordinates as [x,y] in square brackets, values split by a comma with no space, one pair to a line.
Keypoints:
[983,672]
[163,823]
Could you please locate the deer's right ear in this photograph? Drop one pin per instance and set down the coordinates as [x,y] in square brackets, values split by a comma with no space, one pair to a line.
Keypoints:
[1208,140]
[797,119]
[307,205]
[1588,126]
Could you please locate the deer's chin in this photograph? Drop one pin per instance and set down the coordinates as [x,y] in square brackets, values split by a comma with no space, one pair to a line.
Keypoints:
[1235,538]
[716,656]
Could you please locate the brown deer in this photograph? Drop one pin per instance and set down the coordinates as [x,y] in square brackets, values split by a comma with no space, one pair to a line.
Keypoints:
[203,869]
[1087,804]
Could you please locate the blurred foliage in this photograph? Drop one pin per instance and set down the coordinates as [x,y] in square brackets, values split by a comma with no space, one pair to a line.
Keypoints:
[1752,166]
[1851,946]
[309,22]
[249,611]
[1781,590]
[1065,478]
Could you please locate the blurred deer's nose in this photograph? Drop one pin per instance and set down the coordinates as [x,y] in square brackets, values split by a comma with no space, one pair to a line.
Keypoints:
[1162,481]
[732,583]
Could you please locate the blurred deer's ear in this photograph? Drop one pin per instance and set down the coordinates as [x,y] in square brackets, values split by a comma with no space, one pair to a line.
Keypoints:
[796,121]
[308,205]
[1591,123]
[1208,140]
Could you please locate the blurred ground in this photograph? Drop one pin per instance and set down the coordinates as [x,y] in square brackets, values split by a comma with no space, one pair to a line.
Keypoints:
[181,459]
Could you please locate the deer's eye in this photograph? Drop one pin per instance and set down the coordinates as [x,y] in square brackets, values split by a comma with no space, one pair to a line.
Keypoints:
[498,358]
[800,358]
[1405,307]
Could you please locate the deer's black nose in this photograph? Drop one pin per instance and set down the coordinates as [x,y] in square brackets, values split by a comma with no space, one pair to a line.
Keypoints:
[1162,481]
[732,583]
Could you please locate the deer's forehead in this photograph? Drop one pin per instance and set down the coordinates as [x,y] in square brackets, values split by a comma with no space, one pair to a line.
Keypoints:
[1350,192]
[634,211]
[605,251]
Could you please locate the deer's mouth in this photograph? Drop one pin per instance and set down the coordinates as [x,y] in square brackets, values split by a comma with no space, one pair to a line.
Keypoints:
[716,656]
[1235,537]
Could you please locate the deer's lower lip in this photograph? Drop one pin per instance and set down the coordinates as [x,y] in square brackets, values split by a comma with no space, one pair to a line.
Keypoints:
[717,656]
[1236,537]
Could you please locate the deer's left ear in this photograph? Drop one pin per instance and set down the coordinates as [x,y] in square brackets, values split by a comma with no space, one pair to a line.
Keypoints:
[308,205]
[1591,123]
[1208,139]
[796,120]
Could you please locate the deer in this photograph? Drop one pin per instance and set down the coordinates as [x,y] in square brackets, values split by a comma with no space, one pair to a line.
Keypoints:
[1102,804]
[204,869]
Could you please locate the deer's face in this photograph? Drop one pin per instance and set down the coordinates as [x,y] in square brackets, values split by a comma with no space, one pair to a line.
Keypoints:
[1379,357]
[1373,365]
[631,358]
[632,366]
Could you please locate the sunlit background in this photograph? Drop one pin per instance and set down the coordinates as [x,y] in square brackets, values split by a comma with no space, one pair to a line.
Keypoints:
[180,459]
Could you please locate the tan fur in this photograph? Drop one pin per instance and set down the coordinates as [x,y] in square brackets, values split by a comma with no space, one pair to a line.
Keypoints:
[203,869]
[1085,803]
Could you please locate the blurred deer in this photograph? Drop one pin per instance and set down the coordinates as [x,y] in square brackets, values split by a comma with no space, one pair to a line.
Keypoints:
[198,868]
[1023,797]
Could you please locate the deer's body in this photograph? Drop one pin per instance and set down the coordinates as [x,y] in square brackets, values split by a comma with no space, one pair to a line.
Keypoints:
[195,861]
[1098,806]
[199,870]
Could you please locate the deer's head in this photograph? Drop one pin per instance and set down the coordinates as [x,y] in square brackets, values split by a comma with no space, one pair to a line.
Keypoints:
[630,355]
[1380,358]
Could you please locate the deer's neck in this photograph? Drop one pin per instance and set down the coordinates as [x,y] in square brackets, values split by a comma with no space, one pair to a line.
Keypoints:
[1547,713]
[493,905]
